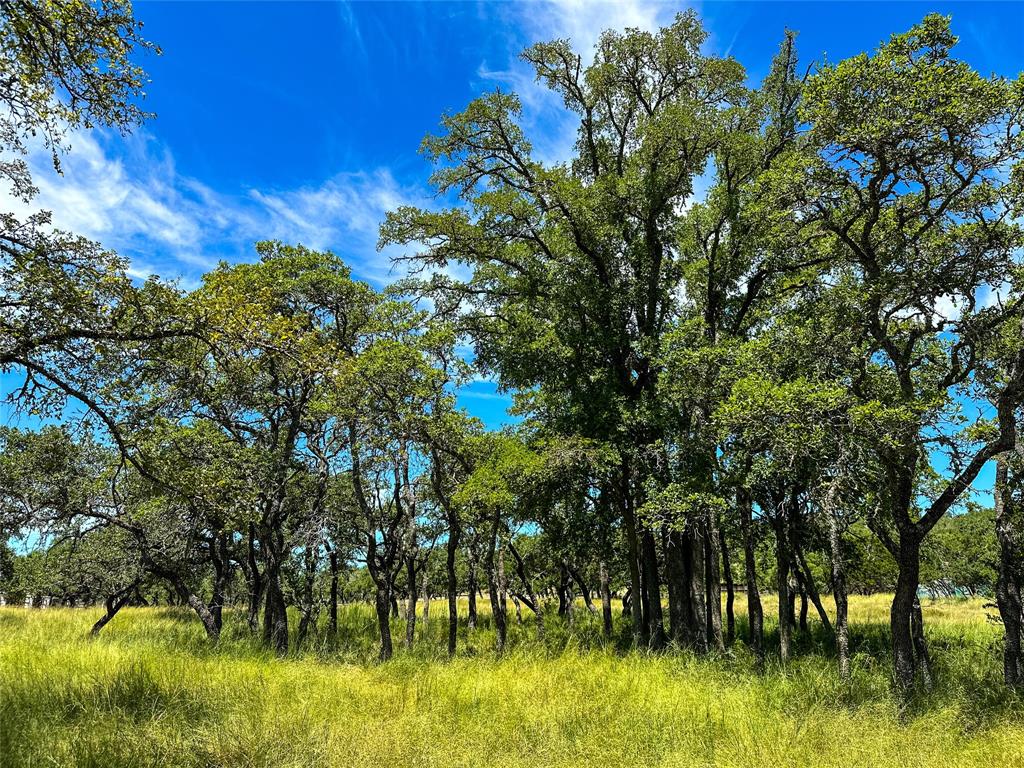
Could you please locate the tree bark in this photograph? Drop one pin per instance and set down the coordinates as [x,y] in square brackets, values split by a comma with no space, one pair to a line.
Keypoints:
[713,583]
[652,585]
[254,580]
[902,612]
[1010,578]
[606,599]
[382,605]
[755,613]
[693,560]
[332,616]
[633,559]
[410,605]
[495,589]
[782,567]
[678,587]
[842,630]
[730,589]
[114,603]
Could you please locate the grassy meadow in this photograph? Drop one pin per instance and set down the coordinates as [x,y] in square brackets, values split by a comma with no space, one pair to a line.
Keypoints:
[151,691]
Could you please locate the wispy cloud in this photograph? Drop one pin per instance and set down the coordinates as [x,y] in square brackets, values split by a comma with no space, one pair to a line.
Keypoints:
[128,195]
[551,128]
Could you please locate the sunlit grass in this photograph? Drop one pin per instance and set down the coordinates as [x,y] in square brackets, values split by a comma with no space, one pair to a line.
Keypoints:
[151,691]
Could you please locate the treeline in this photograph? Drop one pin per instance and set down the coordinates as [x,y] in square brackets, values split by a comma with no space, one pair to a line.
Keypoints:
[816,358]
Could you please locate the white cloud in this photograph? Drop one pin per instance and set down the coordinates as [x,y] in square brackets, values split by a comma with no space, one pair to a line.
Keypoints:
[549,126]
[583,21]
[128,195]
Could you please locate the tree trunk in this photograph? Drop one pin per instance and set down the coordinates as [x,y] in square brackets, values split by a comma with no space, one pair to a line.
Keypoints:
[1010,579]
[221,561]
[382,605]
[652,588]
[901,613]
[606,599]
[453,584]
[713,583]
[332,619]
[495,589]
[584,589]
[842,630]
[678,589]
[730,589]
[426,597]
[755,613]
[693,560]
[533,600]
[309,611]
[410,604]
[782,566]
[633,559]
[113,604]
[275,612]
[473,587]
[564,588]
[254,580]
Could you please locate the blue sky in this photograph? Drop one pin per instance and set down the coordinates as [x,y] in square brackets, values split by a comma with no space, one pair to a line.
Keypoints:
[301,121]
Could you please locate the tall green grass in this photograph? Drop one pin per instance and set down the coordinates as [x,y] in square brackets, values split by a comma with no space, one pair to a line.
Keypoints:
[151,691]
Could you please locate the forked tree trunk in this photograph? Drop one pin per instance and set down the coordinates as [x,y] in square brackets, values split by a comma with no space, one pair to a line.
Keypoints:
[495,588]
[114,603]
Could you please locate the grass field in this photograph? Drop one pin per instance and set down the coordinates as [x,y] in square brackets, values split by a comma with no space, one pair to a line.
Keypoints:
[150,691]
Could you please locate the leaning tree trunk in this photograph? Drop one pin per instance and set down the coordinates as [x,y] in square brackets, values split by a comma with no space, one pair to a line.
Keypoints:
[254,580]
[532,598]
[114,603]
[755,613]
[584,589]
